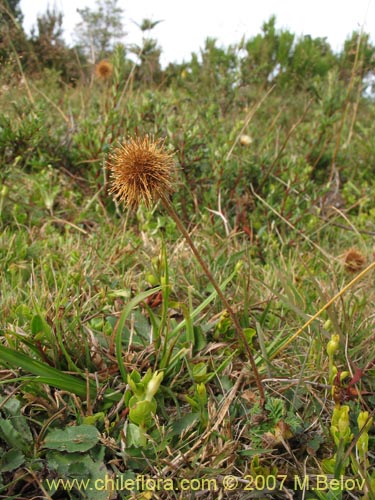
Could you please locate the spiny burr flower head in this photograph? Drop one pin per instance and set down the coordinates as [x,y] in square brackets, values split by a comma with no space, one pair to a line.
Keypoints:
[140,169]
[354,261]
[104,69]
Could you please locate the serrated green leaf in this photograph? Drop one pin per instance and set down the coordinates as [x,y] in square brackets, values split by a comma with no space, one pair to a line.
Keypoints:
[71,439]
[12,409]
[11,436]
[11,460]
[78,466]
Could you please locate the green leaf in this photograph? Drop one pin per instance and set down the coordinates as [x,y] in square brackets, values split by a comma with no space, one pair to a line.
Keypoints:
[12,409]
[134,437]
[11,436]
[121,323]
[71,439]
[81,467]
[179,426]
[202,306]
[200,339]
[199,372]
[48,375]
[11,460]
[40,326]
[141,412]
[64,463]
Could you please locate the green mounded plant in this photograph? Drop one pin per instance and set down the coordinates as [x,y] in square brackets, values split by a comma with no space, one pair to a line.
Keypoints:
[345,436]
[141,169]
[141,402]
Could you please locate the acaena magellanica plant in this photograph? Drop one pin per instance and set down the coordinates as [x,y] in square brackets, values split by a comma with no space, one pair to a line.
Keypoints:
[141,169]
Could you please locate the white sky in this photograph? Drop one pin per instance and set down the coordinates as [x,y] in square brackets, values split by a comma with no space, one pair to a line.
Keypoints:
[186,24]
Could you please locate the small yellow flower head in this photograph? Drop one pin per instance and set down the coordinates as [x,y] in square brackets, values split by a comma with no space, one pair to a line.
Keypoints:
[104,69]
[140,169]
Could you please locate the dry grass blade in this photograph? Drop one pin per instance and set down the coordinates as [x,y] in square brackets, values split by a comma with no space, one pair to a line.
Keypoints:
[324,308]
[217,418]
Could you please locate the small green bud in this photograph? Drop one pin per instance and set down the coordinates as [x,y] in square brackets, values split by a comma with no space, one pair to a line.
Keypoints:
[153,385]
[140,412]
[344,375]
[136,385]
[202,393]
[239,265]
[362,446]
[152,279]
[333,345]
[344,419]
[340,425]
[364,420]
[327,325]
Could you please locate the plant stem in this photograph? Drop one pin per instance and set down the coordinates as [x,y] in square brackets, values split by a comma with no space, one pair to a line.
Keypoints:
[238,329]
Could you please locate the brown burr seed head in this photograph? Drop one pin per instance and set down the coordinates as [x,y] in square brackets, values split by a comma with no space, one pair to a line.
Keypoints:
[104,69]
[354,261]
[140,169]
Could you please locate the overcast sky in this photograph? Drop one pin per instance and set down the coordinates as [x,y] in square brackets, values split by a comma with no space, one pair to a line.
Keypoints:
[186,24]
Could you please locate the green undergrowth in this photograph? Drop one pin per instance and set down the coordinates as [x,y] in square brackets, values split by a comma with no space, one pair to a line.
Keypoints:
[118,359]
